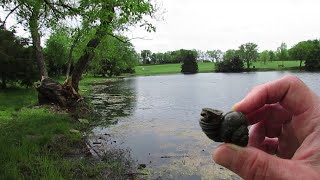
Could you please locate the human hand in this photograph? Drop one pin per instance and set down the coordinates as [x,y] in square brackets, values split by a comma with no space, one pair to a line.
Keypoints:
[284,139]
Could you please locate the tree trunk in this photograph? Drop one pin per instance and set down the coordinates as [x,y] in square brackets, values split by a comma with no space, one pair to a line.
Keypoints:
[36,40]
[83,62]
[86,58]
[67,95]
[51,91]
[300,65]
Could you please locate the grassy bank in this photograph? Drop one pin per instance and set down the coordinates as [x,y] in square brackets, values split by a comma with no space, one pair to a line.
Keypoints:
[209,67]
[43,143]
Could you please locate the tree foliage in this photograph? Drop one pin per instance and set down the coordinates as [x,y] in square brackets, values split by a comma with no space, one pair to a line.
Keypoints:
[57,52]
[282,52]
[308,51]
[16,60]
[215,55]
[114,57]
[249,53]
[231,63]
[189,61]
[264,56]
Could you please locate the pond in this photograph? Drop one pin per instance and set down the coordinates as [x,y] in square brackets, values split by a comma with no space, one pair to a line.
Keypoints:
[156,118]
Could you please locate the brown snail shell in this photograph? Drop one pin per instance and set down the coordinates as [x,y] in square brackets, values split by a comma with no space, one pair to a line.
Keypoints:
[231,127]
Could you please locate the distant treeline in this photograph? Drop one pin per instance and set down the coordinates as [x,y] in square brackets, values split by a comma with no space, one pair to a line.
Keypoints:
[236,59]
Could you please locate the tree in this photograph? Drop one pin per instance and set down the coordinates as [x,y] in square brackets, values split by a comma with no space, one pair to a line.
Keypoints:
[272,56]
[189,59]
[16,60]
[282,52]
[114,57]
[264,57]
[57,52]
[215,55]
[104,16]
[230,54]
[145,54]
[249,53]
[235,64]
[308,51]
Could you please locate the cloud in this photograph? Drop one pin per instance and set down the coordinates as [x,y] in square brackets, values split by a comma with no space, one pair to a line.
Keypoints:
[226,24]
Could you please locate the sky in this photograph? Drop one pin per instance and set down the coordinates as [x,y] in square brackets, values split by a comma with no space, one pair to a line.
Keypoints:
[226,24]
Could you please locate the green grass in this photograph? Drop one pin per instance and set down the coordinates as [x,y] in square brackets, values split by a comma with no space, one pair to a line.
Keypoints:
[287,65]
[209,67]
[36,142]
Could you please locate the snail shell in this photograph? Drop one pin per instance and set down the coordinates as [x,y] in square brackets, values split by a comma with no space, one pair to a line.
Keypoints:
[231,127]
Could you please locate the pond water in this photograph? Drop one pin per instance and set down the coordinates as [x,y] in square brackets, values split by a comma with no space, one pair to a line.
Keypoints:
[156,118]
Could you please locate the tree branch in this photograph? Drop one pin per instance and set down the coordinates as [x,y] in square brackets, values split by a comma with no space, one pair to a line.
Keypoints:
[14,9]
[54,10]
[118,38]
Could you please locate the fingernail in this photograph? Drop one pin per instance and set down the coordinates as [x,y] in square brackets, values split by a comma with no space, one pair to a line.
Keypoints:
[225,154]
[234,107]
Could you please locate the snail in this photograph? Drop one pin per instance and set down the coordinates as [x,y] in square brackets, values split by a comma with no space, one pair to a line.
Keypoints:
[231,127]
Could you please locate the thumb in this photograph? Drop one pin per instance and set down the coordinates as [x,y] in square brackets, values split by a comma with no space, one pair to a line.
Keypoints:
[251,163]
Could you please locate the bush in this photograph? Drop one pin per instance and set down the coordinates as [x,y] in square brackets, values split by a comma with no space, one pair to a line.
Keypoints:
[233,65]
[190,65]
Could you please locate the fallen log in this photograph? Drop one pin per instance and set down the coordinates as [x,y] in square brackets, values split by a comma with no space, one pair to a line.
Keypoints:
[52,92]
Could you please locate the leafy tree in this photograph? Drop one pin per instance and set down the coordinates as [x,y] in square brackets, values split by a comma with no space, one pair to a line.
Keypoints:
[105,17]
[146,56]
[264,57]
[153,58]
[301,51]
[272,56]
[57,52]
[249,53]
[189,59]
[215,55]
[167,58]
[16,61]
[114,57]
[308,51]
[282,52]
[230,54]
[235,64]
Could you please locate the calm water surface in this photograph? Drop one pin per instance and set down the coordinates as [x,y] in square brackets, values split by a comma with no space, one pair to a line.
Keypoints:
[156,117]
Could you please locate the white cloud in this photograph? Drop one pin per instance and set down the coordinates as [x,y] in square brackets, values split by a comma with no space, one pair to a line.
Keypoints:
[226,24]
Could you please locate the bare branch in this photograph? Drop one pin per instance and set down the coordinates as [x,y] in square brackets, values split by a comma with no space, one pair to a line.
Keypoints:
[118,38]
[54,10]
[141,38]
[14,9]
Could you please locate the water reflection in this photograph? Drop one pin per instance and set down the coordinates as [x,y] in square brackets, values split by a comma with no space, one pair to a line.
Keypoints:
[115,99]
[158,118]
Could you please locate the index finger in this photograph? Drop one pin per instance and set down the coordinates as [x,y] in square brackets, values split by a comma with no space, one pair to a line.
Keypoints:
[289,91]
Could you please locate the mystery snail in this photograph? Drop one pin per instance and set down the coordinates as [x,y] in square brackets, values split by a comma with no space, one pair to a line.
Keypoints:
[231,127]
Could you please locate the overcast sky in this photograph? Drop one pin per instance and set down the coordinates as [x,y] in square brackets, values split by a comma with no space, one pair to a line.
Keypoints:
[226,24]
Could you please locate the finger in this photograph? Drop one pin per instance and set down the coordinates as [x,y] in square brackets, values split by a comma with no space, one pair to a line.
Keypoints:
[288,142]
[270,145]
[258,139]
[257,135]
[251,163]
[273,115]
[288,91]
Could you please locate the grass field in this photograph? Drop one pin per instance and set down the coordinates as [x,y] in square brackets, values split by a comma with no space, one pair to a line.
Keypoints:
[209,67]
[40,142]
